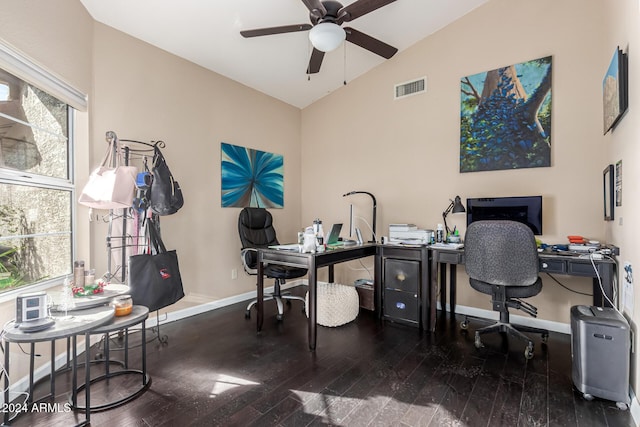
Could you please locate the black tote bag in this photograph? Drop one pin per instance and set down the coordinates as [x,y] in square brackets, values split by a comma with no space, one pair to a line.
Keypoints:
[154,278]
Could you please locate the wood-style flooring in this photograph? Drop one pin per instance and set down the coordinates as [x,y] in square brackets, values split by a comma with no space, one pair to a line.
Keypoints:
[216,371]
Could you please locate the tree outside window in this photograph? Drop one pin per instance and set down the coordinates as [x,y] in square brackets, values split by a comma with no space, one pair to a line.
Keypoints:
[36,185]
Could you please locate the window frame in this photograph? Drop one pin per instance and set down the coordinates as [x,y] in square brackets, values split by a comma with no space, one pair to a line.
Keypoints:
[27,70]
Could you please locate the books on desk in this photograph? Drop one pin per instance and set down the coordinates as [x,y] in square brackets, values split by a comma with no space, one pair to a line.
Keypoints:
[406,242]
[447,245]
[287,247]
[402,227]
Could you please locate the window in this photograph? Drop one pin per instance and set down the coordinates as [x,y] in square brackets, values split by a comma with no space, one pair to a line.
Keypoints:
[36,185]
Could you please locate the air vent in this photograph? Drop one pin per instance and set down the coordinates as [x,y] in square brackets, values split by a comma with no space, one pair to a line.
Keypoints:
[413,87]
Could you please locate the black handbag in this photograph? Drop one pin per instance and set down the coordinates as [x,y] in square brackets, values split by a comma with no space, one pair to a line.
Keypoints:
[166,195]
[154,278]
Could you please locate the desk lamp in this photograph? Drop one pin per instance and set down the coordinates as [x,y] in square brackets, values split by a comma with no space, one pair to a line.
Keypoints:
[456,207]
[373,237]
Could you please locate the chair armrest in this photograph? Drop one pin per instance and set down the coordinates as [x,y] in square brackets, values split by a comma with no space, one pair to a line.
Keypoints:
[249,257]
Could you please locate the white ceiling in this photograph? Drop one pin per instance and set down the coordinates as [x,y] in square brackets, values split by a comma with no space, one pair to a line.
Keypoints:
[207,33]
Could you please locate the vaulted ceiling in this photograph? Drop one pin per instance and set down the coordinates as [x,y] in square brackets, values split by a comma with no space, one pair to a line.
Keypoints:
[207,33]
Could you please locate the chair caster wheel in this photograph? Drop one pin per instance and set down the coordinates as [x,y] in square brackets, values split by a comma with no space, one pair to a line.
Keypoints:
[464,325]
[587,396]
[528,352]
[478,342]
[247,314]
[545,338]
[622,406]
[279,317]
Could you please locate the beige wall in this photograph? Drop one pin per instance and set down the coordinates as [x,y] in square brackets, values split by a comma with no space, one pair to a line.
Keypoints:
[143,93]
[406,152]
[621,20]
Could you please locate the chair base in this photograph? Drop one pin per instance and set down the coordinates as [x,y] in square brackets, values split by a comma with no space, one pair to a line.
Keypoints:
[513,330]
[278,296]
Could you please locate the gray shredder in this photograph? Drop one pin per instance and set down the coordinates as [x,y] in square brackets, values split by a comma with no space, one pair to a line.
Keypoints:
[600,346]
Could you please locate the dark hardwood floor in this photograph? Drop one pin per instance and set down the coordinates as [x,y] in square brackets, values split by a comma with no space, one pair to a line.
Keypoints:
[216,371]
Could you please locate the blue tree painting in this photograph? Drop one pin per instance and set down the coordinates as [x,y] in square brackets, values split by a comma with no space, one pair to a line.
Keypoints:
[251,177]
[505,118]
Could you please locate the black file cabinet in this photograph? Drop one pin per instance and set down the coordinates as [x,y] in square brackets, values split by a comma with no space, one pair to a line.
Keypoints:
[405,285]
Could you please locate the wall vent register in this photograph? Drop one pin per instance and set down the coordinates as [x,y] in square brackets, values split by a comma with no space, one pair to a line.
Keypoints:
[415,87]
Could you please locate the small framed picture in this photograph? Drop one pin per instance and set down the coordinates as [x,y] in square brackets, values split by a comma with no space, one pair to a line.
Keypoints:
[608,192]
[619,183]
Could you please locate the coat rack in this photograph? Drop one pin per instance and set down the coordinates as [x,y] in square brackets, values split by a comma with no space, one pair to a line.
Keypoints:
[141,150]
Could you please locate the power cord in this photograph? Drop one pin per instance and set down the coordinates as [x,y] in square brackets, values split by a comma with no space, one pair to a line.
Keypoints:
[368,226]
[364,268]
[614,287]
[593,256]
[566,287]
[11,406]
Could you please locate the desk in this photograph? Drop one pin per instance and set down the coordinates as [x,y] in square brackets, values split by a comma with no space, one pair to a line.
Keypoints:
[310,261]
[78,322]
[558,263]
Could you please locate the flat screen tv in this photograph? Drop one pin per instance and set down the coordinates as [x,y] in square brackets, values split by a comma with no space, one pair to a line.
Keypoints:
[524,209]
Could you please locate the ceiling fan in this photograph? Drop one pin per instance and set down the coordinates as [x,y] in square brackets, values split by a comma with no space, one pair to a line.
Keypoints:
[326,31]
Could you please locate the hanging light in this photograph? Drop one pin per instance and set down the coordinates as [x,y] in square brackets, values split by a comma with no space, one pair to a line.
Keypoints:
[326,36]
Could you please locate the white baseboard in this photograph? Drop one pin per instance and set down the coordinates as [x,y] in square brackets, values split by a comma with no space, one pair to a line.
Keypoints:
[563,328]
[208,306]
[21,386]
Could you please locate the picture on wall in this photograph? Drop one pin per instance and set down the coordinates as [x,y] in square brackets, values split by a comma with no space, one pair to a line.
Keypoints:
[251,177]
[619,183]
[614,90]
[505,117]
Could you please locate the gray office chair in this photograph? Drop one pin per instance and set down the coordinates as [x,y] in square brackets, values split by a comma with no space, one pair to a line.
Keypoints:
[255,226]
[501,259]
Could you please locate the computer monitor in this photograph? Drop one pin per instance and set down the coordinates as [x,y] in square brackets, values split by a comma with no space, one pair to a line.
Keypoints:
[524,209]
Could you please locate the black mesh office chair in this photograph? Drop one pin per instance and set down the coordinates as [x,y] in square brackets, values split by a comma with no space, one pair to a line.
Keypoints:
[501,259]
[255,226]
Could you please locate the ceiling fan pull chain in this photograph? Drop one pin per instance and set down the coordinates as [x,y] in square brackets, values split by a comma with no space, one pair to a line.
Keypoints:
[308,55]
[344,82]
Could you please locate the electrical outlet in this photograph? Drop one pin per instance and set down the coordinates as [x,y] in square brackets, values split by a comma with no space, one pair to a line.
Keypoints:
[234,273]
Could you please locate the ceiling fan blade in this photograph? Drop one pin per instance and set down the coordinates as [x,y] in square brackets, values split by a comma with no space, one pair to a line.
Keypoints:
[369,43]
[315,7]
[359,8]
[315,61]
[275,30]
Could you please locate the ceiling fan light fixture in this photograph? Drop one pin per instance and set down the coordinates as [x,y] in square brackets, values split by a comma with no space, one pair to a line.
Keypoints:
[327,36]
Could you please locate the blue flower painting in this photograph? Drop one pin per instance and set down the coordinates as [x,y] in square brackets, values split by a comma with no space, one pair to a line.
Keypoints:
[251,177]
[505,118]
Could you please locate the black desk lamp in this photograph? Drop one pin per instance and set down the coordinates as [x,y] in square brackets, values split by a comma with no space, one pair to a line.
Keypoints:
[455,206]
[373,237]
